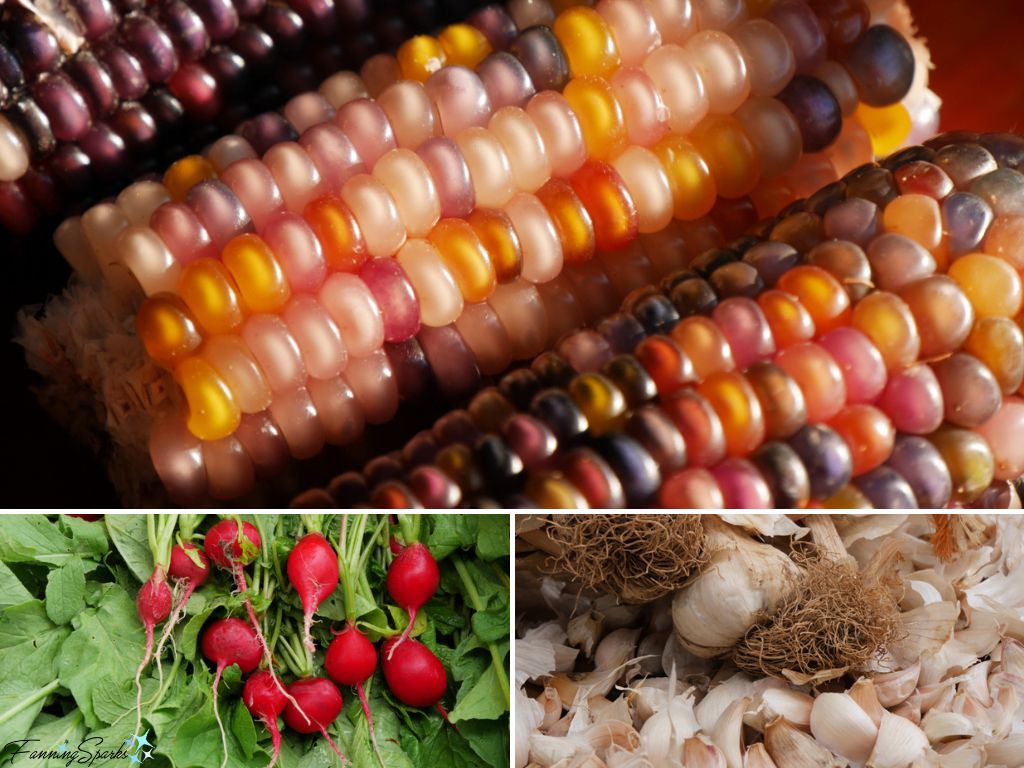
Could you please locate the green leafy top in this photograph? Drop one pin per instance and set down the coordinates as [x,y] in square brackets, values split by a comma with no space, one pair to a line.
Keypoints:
[70,642]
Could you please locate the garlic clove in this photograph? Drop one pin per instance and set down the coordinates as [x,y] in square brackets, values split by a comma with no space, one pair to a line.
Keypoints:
[899,743]
[611,735]
[616,649]
[894,687]
[653,694]
[529,716]
[1011,657]
[938,696]
[757,757]
[720,697]
[768,524]
[634,760]
[792,705]
[953,658]
[591,761]
[984,633]
[963,754]
[1006,752]
[840,725]
[789,747]
[552,705]
[727,732]
[649,653]
[940,727]
[743,580]
[909,710]
[547,751]
[925,629]
[976,683]
[664,733]
[864,693]
[698,753]
[602,710]
[584,632]
[1002,715]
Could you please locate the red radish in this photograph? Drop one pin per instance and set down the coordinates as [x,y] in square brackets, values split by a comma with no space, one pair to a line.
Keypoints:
[413,673]
[412,580]
[351,660]
[189,569]
[226,642]
[189,562]
[321,701]
[232,546]
[229,545]
[265,701]
[152,604]
[313,571]
[89,518]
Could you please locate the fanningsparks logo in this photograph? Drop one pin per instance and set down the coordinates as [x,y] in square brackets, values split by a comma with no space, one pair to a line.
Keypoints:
[135,750]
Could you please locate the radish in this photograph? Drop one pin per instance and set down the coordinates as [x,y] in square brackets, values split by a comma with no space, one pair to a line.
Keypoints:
[313,571]
[320,701]
[265,701]
[189,569]
[153,603]
[233,545]
[414,674]
[351,659]
[412,580]
[226,642]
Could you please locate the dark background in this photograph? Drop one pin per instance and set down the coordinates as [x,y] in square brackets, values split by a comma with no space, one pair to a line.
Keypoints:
[979,73]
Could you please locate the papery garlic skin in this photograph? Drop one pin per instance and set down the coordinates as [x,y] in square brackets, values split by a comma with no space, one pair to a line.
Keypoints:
[743,580]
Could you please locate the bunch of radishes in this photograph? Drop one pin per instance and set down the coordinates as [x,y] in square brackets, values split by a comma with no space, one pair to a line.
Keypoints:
[309,704]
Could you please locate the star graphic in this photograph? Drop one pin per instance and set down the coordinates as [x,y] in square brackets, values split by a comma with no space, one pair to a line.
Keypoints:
[147,754]
[128,742]
[144,740]
[134,759]
[63,748]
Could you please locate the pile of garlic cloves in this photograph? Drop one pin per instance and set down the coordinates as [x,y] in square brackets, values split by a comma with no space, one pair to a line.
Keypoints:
[603,684]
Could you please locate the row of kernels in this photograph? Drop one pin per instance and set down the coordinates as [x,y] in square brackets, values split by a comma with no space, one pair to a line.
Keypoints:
[100,95]
[862,426]
[490,152]
[461,352]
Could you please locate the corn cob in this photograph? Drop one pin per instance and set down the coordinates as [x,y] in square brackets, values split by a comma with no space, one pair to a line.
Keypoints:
[95,93]
[270,362]
[905,382]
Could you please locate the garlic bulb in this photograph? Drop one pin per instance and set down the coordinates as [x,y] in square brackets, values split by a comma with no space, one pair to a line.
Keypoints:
[743,580]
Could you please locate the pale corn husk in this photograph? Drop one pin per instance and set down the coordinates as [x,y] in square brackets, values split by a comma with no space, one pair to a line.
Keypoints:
[742,581]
